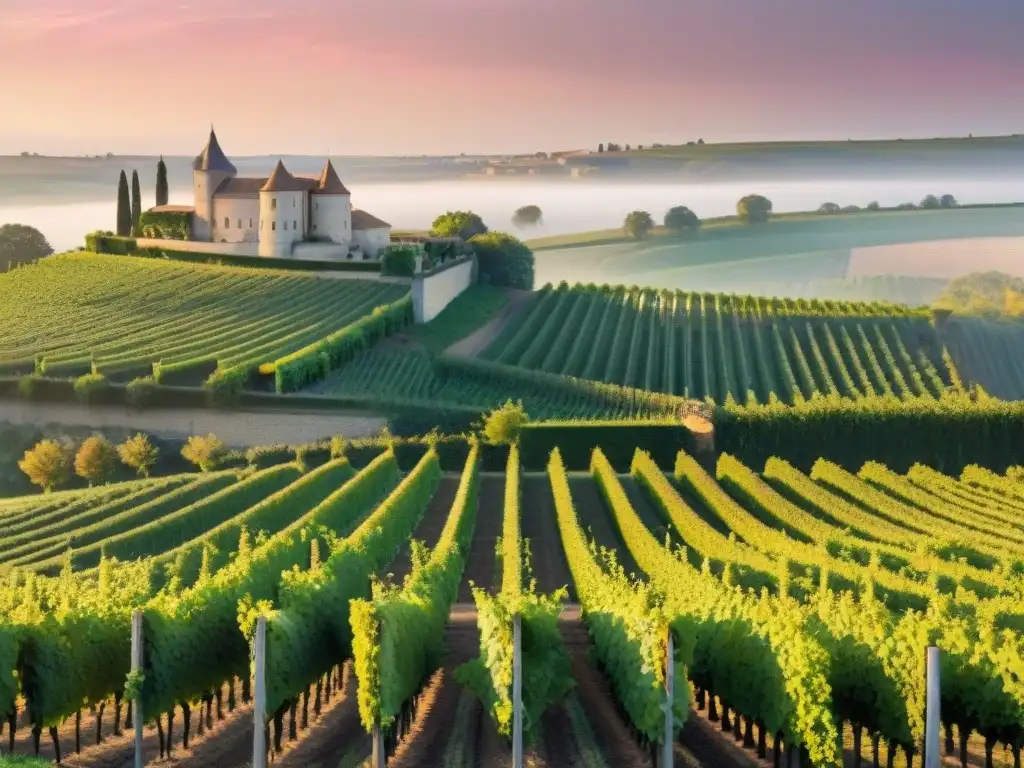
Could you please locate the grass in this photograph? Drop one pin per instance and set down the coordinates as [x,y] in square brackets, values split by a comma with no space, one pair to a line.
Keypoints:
[731,226]
[467,312]
[20,761]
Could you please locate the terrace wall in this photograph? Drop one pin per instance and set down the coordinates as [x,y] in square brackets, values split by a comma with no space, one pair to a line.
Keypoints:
[200,246]
[433,291]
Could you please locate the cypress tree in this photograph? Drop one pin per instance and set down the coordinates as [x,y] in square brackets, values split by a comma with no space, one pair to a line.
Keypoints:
[161,182]
[136,204]
[124,208]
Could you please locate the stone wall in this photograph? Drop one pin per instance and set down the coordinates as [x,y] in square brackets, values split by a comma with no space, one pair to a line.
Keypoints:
[198,246]
[434,291]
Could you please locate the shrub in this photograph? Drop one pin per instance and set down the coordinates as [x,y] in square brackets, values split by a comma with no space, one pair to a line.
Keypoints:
[947,201]
[96,459]
[638,224]
[503,424]
[225,387]
[399,260]
[339,445]
[930,202]
[205,452]
[754,209]
[28,386]
[140,392]
[906,207]
[828,208]
[851,209]
[139,454]
[681,219]
[873,206]
[90,387]
[505,260]
[464,224]
[47,465]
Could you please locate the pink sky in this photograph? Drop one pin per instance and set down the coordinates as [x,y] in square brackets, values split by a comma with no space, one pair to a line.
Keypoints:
[447,76]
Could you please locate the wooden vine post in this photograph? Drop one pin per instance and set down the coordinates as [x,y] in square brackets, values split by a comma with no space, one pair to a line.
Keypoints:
[259,699]
[667,758]
[517,691]
[137,669]
[379,757]
[932,756]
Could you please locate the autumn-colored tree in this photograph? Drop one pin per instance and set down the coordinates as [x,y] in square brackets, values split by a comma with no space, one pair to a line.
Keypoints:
[139,453]
[47,464]
[204,451]
[96,459]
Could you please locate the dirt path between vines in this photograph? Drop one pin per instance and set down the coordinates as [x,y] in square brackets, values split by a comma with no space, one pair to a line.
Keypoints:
[478,341]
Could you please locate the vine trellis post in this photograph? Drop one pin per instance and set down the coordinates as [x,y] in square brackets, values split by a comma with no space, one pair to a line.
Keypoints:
[932,755]
[259,696]
[517,691]
[137,721]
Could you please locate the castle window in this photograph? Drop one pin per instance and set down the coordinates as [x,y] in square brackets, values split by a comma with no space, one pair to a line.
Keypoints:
[250,223]
[293,202]
[227,223]
[273,203]
[295,225]
[273,225]
[314,227]
[318,206]
[240,223]
[286,225]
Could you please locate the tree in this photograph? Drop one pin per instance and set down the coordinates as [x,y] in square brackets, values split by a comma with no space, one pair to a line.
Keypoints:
[754,209]
[504,260]
[873,205]
[136,204]
[47,464]
[503,424]
[139,454]
[681,219]
[947,201]
[205,452]
[20,244]
[627,147]
[528,216]
[828,208]
[464,224]
[124,207]
[600,147]
[96,459]
[700,142]
[930,202]
[161,182]
[638,224]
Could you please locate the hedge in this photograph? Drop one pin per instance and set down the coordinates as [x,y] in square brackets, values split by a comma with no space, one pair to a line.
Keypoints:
[314,362]
[576,441]
[946,434]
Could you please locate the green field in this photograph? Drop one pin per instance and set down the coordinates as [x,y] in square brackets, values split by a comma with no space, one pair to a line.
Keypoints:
[126,317]
[783,257]
[785,590]
[749,350]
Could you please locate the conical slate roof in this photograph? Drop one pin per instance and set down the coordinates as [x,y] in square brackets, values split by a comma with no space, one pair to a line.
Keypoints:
[212,158]
[282,181]
[330,183]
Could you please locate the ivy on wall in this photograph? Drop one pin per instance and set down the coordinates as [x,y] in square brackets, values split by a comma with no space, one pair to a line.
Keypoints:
[167,225]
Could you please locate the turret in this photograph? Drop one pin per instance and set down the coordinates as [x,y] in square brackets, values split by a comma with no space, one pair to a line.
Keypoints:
[282,213]
[331,207]
[209,170]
